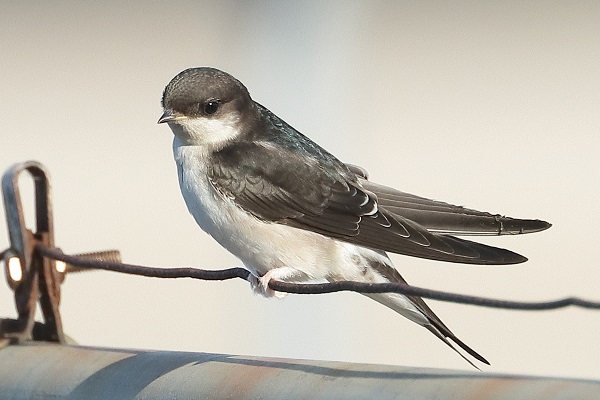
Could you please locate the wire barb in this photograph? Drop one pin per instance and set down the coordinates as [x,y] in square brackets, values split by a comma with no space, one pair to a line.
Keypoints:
[319,288]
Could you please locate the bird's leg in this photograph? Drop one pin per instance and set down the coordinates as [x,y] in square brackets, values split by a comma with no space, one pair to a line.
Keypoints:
[261,285]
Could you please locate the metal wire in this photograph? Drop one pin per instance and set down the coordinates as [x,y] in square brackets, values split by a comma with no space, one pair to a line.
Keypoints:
[153,272]
[320,288]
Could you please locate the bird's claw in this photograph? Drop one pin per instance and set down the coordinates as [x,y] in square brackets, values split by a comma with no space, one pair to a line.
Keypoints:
[261,286]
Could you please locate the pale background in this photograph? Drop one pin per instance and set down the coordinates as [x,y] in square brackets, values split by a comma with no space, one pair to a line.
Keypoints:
[491,105]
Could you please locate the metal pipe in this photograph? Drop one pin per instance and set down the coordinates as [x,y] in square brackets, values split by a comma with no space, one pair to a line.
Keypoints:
[54,371]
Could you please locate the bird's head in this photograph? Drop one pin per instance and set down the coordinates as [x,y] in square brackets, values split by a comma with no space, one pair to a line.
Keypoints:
[206,106]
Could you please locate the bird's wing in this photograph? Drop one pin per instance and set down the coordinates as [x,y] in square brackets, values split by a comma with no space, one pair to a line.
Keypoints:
[440,217]
[297,190]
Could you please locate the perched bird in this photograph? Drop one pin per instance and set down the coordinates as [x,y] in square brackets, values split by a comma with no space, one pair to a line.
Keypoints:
[291,211]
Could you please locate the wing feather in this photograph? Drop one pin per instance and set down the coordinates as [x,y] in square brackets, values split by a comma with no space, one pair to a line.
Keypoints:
[297,189]
[446,218]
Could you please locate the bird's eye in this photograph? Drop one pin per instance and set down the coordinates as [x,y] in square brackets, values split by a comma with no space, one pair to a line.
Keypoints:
[211,106]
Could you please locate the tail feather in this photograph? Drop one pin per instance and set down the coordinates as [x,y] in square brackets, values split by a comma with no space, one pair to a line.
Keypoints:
[438,328]
[415,309]
[461,344]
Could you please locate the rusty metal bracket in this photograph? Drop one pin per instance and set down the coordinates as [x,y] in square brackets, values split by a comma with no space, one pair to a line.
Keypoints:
[32,277]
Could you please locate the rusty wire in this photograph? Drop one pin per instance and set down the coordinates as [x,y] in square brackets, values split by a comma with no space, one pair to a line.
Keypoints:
[318,288]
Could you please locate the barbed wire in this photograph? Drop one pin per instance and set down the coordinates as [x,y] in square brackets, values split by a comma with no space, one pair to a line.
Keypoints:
[315,288]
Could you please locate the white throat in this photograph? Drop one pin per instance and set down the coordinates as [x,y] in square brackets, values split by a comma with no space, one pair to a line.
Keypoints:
[212,133]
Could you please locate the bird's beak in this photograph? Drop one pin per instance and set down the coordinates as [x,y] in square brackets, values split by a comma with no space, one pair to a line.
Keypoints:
[169,116]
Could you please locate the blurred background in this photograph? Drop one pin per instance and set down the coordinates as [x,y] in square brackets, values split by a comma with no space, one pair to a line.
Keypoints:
[491,105]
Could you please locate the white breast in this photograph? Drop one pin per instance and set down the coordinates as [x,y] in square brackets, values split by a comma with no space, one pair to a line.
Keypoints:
[260,245]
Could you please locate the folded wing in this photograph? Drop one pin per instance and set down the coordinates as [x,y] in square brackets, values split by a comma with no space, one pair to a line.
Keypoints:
[295,190]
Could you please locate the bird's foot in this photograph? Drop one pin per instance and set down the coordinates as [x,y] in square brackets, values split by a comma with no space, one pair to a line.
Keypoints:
[261,285]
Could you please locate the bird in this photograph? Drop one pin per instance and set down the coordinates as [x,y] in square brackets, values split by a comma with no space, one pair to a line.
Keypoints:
[292,211]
